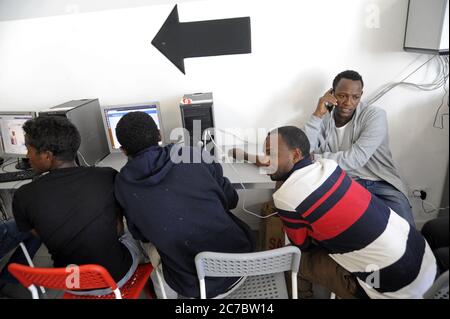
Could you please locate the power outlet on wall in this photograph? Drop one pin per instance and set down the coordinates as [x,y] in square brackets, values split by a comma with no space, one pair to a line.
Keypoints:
[419,192]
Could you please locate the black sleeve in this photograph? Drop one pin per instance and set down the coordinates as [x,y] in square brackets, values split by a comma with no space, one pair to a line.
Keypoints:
[230,192]
[20,213]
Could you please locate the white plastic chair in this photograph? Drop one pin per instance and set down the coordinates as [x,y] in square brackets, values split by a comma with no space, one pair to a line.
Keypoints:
[439,289]
[264,272]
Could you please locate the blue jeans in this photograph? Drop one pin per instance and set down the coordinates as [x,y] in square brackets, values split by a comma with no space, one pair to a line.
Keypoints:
[10,238]
[391,196]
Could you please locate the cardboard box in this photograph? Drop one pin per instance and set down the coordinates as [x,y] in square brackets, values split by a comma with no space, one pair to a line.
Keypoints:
[271,228]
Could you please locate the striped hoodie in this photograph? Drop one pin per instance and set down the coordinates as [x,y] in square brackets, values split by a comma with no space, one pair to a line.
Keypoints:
[320,202]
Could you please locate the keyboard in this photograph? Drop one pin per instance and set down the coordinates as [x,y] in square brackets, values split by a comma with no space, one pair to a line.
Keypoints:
[16,176]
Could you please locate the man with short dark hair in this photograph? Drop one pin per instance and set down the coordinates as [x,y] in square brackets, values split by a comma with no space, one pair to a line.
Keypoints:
[182,208]
[72,209]
[355,135]
[352,242]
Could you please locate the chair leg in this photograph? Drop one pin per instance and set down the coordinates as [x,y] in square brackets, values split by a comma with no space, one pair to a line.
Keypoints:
[34,292]
[294,285]
[155,260]
[202,289]
[161,283]
[29,260]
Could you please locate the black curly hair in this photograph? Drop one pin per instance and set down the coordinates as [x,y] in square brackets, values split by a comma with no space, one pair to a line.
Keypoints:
[137,131]
[294,138]
[55,134]
[350,75]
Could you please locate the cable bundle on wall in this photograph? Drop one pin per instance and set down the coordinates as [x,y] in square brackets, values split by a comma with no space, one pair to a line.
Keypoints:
[439,82]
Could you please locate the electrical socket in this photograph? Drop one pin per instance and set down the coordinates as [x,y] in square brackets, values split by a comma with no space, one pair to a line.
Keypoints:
[419,192]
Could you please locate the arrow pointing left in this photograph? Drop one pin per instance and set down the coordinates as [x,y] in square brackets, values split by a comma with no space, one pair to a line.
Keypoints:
[178,41]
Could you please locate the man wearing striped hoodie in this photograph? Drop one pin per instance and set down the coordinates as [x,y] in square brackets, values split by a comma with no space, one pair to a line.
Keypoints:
[352,242]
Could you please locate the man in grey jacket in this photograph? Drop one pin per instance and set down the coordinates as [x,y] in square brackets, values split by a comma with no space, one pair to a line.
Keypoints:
[355,135]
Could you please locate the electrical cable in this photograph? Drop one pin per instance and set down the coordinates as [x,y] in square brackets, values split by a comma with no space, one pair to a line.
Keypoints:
[234,135]
[444,61]
[6,164]
[434,209]
[417,193]
[439,81]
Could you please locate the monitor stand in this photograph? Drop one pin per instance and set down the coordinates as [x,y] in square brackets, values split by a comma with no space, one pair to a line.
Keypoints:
[23,164]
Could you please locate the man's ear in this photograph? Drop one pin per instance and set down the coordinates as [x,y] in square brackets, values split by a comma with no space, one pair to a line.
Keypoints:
[298,156]
[48,155]
[159,136]
[49,158]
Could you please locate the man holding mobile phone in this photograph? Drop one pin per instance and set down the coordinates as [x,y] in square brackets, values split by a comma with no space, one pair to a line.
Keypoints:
[355,135]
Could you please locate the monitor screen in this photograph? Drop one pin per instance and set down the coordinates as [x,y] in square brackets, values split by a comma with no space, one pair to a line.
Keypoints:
[11,133]
[112,115]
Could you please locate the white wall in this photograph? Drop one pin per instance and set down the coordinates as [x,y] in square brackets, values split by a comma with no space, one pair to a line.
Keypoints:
[298,47]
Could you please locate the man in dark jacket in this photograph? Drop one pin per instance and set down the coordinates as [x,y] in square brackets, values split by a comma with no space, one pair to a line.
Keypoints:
[181,208]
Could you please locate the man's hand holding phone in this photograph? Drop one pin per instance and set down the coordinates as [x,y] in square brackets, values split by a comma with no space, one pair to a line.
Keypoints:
[326,103]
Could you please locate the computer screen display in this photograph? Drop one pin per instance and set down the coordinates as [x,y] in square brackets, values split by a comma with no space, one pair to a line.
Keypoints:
[12,135]
[112,115]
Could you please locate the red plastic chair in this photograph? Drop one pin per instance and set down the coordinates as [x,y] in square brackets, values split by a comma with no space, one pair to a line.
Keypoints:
[90,277]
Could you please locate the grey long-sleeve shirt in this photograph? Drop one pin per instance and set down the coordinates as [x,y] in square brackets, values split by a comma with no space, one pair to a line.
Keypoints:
[364,152]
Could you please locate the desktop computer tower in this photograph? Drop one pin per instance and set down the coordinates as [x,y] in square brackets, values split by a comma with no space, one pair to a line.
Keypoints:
[197,116]
[86,116]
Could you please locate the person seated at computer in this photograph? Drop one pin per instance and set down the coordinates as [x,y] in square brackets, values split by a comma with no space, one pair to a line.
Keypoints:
[72,209]
[355,135]
[352,242]
[180,207]
[10,238]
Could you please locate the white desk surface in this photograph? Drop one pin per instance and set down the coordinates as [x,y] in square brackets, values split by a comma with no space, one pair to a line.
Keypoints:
[248,174]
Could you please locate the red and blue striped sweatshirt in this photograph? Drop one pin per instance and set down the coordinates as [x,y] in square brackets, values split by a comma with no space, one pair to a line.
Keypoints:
[320,202]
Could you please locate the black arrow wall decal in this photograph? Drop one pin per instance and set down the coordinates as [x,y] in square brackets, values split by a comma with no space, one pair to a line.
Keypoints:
[178,41]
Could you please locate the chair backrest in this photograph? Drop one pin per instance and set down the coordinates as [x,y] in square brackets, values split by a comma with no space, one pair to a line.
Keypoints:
[83,277]
[213,264]
[439,289]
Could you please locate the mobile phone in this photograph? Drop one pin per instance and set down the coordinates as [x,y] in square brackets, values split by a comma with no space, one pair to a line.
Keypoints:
[329,106]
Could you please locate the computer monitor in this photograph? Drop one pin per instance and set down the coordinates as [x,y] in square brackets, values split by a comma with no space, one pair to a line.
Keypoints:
[112,115]
[12,136]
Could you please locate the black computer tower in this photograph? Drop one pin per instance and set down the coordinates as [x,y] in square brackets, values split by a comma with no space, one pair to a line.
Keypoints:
[197,117]
[86,116]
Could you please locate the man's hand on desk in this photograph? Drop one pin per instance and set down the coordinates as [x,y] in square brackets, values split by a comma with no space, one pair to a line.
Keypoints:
[240,155]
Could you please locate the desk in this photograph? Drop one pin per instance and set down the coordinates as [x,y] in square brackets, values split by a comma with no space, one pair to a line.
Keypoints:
[245,173]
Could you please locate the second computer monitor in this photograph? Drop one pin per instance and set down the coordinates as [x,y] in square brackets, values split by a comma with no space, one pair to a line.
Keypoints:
[112,115]
[12,135]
